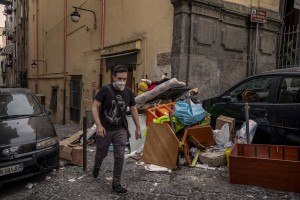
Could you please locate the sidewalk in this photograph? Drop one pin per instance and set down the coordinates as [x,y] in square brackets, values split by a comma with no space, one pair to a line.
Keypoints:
[67,130]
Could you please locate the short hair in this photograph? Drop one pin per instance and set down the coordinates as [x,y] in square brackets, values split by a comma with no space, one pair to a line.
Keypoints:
[119,69]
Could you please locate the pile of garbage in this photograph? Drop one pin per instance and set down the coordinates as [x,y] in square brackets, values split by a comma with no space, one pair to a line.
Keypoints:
[176,130]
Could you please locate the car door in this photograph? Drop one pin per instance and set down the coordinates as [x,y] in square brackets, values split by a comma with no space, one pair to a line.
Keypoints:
[257,91]
[286,111]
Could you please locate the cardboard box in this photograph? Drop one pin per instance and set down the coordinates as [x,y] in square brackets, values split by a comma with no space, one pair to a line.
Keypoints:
[72,154]
[221,120]
[77,155]
[65,152]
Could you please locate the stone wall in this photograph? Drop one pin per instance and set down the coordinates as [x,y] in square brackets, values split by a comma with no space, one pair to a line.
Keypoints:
[214,44]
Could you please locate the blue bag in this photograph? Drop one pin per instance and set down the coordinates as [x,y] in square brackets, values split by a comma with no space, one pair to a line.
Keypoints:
[189,113]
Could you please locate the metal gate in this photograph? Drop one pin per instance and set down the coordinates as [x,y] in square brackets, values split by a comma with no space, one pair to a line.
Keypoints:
[289,51]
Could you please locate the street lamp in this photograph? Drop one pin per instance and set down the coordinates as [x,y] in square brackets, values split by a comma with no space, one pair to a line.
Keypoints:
[76,17]
[34,64]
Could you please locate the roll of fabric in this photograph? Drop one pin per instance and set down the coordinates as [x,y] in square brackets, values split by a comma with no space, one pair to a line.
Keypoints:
[143,98]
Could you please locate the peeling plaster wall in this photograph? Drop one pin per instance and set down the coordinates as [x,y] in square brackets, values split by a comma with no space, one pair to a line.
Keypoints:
[214,42]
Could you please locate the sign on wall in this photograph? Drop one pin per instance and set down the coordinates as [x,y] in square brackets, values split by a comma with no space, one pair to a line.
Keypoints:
[258,15]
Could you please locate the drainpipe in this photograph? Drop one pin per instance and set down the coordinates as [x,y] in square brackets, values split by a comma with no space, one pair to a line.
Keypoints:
[189,44]
[102,42]
[37,46]
[65,63]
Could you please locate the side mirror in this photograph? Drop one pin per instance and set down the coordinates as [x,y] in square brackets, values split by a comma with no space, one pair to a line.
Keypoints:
[226,98]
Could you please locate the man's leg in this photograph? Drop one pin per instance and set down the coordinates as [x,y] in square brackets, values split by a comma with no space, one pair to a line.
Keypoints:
[119,142]
[101,151]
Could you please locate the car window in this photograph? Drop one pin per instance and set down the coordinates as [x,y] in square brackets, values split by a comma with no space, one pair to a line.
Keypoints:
[18,105]
[289,90]
[254,90]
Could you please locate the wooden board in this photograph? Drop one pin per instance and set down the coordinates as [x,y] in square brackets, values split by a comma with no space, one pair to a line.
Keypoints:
[161,146]
[270,167]
[203,134]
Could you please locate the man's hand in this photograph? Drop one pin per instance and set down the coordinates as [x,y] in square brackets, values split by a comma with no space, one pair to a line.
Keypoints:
[100,131]
[137,134]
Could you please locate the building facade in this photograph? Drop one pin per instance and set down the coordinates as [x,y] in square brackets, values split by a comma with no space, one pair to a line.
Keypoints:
[65,56]
[74,59]
[215,44]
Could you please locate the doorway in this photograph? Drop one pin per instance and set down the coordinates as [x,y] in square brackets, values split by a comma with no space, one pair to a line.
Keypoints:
[75,99]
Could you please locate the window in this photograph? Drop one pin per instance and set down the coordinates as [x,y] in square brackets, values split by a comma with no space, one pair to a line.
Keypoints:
[254,90]
[289,90]
[53,102]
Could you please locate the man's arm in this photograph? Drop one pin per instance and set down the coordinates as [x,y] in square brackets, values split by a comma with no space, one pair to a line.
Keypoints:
[135,117]
[95,111]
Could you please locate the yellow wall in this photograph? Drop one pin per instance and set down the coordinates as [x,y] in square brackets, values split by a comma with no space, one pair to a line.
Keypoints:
[150,21]
[264,4]
[125,20]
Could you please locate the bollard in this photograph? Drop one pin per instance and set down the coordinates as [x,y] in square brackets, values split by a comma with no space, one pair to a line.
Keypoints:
[84,156]
[247,122]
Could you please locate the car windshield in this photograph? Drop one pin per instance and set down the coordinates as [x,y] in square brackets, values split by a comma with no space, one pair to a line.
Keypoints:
[18,105]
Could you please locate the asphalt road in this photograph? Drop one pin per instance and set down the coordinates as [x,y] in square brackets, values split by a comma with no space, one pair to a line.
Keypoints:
[70,182]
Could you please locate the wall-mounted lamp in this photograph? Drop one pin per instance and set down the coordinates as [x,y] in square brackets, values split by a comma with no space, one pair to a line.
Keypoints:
[34,64]
[76,17]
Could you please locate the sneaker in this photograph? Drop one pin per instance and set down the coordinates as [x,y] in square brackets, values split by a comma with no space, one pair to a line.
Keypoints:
[96,172]
[119,189]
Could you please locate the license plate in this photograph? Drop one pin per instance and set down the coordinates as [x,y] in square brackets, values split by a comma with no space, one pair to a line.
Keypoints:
[11,169]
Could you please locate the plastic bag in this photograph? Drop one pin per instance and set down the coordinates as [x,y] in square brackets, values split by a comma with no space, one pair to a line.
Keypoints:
[222,136]
[189,113]
[241,134]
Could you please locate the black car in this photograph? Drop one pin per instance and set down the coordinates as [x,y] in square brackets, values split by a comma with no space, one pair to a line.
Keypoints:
[28,141]
[274,100]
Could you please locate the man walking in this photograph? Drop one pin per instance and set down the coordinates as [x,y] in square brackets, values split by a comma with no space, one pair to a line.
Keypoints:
[109,112]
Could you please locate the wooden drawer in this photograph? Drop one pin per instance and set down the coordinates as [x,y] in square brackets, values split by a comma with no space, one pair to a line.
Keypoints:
[269,166]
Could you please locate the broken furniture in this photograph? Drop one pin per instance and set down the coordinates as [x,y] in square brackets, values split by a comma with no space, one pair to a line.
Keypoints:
[200,136]
[158,111]
[161,146]
[269,166]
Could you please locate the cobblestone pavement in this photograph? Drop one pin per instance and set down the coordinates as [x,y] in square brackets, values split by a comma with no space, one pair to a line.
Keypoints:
[70,182]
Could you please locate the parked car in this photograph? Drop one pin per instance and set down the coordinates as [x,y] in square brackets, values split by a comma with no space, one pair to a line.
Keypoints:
[28,141]
[274,100]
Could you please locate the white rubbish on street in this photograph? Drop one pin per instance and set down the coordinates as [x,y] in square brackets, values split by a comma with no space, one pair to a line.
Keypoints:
[90,132]
[156,168]
[29,185]
[130,154]
[72,180]
[80,177]
[204,166]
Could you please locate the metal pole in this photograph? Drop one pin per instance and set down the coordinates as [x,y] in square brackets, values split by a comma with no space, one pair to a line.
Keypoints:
[84,145]
[255,53]
[247,122]
[171,121]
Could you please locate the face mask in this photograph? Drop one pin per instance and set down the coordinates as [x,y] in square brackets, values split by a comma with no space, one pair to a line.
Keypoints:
[120,85]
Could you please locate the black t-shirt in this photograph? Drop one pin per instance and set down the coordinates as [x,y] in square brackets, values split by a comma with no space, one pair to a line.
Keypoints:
[110,117]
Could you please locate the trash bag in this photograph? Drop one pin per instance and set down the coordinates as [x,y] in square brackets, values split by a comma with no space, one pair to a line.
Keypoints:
[222,136]
[241,134]
[189,113]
